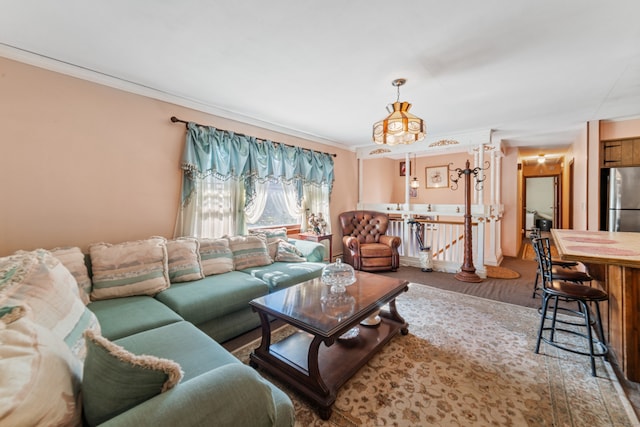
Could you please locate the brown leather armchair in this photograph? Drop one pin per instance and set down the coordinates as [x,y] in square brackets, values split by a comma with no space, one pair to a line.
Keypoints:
[364,242]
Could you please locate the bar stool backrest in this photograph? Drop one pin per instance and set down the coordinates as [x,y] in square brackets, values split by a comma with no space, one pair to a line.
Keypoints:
[534,233]
[542,247]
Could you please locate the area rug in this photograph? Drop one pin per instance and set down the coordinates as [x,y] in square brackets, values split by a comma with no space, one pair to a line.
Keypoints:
[469,361]
[501,272]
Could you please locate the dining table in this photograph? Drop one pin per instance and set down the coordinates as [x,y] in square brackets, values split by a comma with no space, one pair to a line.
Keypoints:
[613,259]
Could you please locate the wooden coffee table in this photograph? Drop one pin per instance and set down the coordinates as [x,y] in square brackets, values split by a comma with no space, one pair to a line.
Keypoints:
[315,360]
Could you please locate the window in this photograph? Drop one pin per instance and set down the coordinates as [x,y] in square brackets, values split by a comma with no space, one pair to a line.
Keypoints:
[276,208]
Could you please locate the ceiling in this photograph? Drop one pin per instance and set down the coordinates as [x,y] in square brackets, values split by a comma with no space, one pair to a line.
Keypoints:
[532,72]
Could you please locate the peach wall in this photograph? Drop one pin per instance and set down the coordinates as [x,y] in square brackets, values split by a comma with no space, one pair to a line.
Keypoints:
[82,163]
[578,152]
[619,129]
[440,195]
[378,176]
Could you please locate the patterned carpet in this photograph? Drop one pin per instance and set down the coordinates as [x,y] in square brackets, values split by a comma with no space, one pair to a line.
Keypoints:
[469,361]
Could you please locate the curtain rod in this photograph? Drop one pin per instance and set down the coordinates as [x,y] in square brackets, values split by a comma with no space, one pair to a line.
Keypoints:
[174,119]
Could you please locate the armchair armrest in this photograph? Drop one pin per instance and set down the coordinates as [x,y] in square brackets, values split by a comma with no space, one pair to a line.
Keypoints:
[232,394]
[392,241]
[351,243]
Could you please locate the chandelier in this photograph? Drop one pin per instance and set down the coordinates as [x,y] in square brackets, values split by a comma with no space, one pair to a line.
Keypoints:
[400,126]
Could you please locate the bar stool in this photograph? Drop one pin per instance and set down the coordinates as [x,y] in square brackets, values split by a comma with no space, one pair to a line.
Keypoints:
[563,273]
[584,295]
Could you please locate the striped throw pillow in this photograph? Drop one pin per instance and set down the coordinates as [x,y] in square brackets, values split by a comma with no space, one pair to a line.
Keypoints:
[184,260]
[130,268]
[215,256]
[288,252]
[39,281]
[73,259]
[249,251]
[272,237]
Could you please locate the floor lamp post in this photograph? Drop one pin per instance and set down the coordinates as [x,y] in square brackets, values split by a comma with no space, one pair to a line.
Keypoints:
[468,271]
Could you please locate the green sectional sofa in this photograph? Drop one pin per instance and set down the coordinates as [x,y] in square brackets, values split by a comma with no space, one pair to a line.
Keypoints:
[170,301]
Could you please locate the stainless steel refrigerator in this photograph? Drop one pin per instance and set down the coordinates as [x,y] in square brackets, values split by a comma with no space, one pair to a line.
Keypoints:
[623,199]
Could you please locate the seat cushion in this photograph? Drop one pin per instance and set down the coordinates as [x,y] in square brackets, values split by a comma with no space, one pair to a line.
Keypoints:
[183,343]
[120,317]
[213,296]
[281,275]
[375,250]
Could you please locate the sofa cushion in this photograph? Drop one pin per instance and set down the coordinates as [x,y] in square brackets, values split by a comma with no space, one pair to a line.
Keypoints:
[287,252]
[184,260]
[120,317]
[249,251]
[280,275]
[39,280]
[130,268]
[272,236]
[192,349]
[40,376]
[74,260]
[216,256]
[213,296]
[115,380]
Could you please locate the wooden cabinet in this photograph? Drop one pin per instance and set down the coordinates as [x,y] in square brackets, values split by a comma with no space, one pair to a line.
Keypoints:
[620,152]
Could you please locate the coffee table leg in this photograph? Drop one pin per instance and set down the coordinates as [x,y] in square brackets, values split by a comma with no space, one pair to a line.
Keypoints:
[394,315]
[265,343]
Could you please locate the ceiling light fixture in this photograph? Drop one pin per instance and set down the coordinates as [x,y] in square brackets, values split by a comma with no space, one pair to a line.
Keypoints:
[400,126]
[541,158]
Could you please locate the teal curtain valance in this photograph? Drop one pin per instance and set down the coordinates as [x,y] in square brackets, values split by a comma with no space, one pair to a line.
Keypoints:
[227,155]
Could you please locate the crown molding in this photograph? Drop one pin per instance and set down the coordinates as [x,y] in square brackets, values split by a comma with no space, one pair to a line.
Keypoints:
[82,73]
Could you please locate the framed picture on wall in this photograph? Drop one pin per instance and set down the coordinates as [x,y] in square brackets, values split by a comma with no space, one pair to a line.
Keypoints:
[403,168]
[437,176]
[413,192]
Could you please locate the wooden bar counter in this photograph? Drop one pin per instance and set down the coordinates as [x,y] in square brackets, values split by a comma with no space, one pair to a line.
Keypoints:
[613,259]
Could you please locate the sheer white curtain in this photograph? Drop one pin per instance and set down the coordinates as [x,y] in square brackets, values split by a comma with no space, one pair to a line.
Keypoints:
[254,211]
[290,201]
[212,209]
[316,200]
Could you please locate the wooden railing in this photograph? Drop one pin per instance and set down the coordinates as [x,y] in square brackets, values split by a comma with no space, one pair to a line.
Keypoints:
[445,240]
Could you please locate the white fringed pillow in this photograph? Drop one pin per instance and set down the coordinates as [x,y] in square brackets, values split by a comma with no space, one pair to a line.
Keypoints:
[249,251]
[216,256]
[184,260]
[40,281]
[73,259]
[272,237]
[287,252]
[40,376]
[130,268]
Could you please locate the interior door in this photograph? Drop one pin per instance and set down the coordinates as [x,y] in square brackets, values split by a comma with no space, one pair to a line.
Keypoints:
[542,197]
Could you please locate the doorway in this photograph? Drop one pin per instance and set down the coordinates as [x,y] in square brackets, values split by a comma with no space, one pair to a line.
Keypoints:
[542,208]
